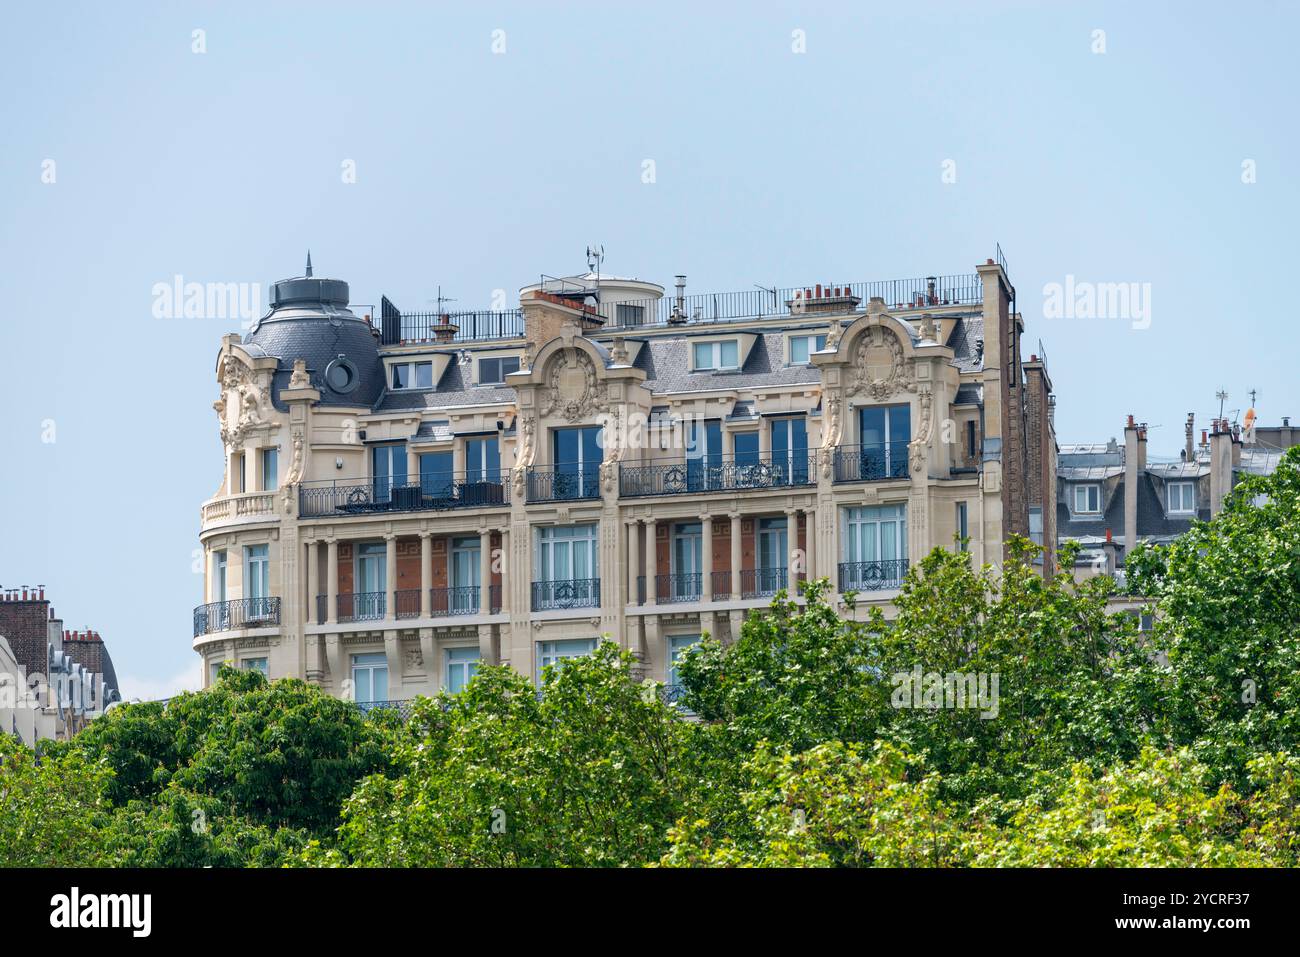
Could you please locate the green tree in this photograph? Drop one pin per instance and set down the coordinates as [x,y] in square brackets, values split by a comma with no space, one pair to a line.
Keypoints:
[590,772]
[51,809]
[1227,595]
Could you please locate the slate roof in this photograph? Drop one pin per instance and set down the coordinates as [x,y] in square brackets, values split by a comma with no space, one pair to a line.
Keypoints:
[1152,522]
[300,334]
[667,365]
[963,341]
[454,389]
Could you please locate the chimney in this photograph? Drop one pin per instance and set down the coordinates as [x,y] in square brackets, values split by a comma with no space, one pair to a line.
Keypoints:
[679,305]
[1110,550]
[1134,463]
[1220,465]
[1190,436]
[546,315]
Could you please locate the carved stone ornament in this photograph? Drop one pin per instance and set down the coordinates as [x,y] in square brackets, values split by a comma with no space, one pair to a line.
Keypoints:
[299,379]
[243,404]
[880,368]
[571,387]
[916,449]
[295,473]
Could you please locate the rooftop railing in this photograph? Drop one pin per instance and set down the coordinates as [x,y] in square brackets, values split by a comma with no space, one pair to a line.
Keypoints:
[434,493]
[794,301]
[476,325]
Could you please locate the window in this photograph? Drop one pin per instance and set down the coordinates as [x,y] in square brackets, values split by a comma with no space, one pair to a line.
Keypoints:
[219,575]
[802,347]
[576,454]
[717,355]
[772,545]
[566,553]
[629,315]
[883,434]
[875,547]
[1182,497]
[389,470]
[257,576]
[462,665]
[677,646]
[745,447]
[963,532]
[790,448]
[703,453]
[1087,499]
[412,375]
[370,588]
[558,652]
[1036,524]
[369,678]
[270,469]
[494,371]
[437,480]
[254,664]
[483,459]
[213,668]
[970,440]
[464,570]
[242,486]
[687,560]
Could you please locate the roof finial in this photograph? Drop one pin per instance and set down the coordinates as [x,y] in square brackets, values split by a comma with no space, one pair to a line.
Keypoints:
[309,264]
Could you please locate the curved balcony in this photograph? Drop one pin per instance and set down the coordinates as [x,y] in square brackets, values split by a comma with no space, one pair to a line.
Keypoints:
[718,474]
[236,614]
[241,507]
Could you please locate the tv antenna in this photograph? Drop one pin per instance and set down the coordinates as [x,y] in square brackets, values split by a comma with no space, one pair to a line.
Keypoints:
[1222,397]
[595,256]
[441,299]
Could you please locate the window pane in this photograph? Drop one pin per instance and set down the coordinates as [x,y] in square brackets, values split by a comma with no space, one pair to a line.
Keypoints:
[900,423]
[436,474]
[799,350]
[401,375]
[704,355]
[729,351]
[424,375]
[872,430]
[508,366]
[746,446]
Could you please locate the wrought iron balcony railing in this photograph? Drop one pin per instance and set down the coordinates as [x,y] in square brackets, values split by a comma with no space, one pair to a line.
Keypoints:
[718,474]
[678,587]
[865,463]
[362,605]
[429,494]
[722,584]
[563,483]
[762,582]
[463,326]
[569,593]
[462,600]
[403,707]
[408,602]
[872,576]
[236,614]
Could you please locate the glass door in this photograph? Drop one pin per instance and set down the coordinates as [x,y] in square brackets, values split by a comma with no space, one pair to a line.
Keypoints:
[371,581]
[389,462]
[576,455]
[464,576]
[687,561]
[884,431]
[703,454]
[790,450]
[772,552]
[369,678]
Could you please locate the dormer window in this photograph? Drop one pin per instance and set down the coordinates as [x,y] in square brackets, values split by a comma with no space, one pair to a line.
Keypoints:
[802,348]
[1182,498]
[493,371]
[1087,499]
[717,355]
[412,375]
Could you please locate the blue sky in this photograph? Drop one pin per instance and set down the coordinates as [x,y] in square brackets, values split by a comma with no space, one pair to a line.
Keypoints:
[479,170]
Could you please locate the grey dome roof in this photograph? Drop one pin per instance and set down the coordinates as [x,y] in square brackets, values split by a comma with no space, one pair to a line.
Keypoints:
[310,320]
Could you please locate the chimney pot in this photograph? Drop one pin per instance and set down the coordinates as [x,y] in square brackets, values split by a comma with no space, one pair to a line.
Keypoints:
[1130,421]
[1108,538]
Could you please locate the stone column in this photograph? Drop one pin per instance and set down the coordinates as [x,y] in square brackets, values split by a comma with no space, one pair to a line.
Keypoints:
[426,574]
[735,555]
[706,544]
[632,563]
[312,615]
[485,571]
[390,579]
[650,561]
[332,577]
[505,571]
[791,546]
[810,542]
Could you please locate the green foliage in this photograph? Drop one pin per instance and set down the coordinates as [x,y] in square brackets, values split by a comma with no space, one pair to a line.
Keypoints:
[50,809]
[590,772]
[1228,622]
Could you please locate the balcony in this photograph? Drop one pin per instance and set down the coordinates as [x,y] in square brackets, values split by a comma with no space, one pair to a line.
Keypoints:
[718,474]
[443,603]
[356,606]
[435,494]
[462,600]
[762,582]
[675,588]
[868,463]
[236,614]
[872,576]
[566,594]
[403,707]
[563,483]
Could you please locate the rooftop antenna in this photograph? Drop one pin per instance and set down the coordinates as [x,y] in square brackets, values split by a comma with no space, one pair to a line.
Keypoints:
[1252,397]
[441,299]
[309,264]
[595,256]
[1222,397]
[771,292]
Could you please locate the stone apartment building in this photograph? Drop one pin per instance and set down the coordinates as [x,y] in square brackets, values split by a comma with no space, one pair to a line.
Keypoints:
[410,495]
[52,681]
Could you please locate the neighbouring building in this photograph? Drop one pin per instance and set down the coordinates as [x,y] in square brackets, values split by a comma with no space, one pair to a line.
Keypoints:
[1111,496]
[407,498]
[52,681]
